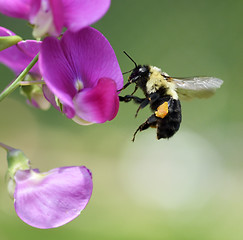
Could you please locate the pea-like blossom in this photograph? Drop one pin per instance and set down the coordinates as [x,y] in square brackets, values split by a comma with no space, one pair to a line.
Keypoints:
[82,71]
[17,58]
[50,16]
[52,199]
[48,199]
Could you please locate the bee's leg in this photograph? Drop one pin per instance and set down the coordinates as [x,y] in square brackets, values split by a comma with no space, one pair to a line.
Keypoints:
[142,101]
[143,104]
[150,122]
[129,98]
[153,97]
[124,87]
[135,89]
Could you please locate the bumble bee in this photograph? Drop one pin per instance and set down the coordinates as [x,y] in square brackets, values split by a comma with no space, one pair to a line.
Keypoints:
[162,93]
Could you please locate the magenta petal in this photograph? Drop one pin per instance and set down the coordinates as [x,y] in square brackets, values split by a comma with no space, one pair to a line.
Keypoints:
[20,55]
[54,198]
[5,32]
[30,48]
[98,104]
[56,71]
[15,8]
[50,97]
[57,12]
[73,14]
[35,7]
[69,112]
[73,66]
[47,16]
[91,57]
[82,13]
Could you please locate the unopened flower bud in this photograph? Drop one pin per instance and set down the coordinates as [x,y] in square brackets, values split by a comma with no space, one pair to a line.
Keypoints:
[34,93]
[8,41]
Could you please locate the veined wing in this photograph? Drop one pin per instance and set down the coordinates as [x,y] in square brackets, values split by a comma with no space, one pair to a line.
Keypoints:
[196,87]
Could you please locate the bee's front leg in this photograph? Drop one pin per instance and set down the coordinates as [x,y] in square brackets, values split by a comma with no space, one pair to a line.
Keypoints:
[129,98]
[142,101]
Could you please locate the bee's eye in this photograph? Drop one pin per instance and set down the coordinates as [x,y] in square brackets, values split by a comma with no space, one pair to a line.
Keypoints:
[142,69]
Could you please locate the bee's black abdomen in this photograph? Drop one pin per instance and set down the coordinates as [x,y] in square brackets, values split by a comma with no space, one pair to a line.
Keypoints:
[169,125]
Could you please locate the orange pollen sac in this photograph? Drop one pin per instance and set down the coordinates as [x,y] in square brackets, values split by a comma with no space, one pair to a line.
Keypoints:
[162,110]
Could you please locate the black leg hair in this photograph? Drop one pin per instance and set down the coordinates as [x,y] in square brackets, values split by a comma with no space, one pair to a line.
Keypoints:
[129,98]
[135,89]
[142,101]
[142,105]
[151,99]
[151,121]
[125,86]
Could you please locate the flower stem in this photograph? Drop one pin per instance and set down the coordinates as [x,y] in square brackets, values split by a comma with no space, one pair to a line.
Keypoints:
[17,81]
[6,147]
[28,83]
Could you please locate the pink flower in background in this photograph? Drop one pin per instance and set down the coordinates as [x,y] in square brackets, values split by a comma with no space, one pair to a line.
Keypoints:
[54,198]
[49,199]
[50,16]
[20,55]
[17,58]
[82,71]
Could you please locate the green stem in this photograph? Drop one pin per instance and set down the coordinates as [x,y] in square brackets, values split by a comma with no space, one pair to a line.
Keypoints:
[17,81]
[28,83]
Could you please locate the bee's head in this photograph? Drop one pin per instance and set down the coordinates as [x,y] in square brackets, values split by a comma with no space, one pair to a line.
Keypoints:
[139,72]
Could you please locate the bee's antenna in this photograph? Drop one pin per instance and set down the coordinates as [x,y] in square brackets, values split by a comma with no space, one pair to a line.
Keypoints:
[127,72]
[130,58]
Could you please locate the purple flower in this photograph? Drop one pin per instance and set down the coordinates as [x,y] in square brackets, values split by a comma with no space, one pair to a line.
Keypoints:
[50,199]
[17,58]
[50,16]
[82,71]
[20,55]
[54,198]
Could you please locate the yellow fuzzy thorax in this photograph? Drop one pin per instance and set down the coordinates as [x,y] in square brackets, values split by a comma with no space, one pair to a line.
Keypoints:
[156,81]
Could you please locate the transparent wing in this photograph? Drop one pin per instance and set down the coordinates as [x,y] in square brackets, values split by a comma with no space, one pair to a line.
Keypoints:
[196,87]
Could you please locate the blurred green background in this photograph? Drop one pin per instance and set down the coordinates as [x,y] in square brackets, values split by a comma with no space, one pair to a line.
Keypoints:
[188,187]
